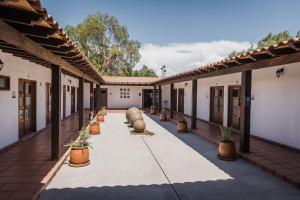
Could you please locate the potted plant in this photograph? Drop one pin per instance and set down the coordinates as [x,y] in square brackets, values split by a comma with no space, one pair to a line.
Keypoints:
[94,127]
[104,109]
[182,125]
[153,110]
[79,155]
[163,115]
[227,149]
[100,116]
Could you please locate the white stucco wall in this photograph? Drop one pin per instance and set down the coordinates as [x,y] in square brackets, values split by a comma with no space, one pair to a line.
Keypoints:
[65,80]
[165,96]
[115,102]
[19,68]
[275,112]
[86,94]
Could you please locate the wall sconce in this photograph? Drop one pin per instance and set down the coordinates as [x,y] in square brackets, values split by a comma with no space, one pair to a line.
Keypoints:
[1,64]
[279,72]
[70,81]
[110,93]
[186,84]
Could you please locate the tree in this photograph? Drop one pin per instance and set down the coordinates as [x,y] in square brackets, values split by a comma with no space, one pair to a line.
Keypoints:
[106,43]
[298,34]
[145,71]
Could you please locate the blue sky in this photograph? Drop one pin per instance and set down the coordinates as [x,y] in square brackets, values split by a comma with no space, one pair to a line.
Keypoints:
[165,24]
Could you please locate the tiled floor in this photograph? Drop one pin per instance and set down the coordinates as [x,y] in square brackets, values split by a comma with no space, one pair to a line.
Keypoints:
[281,162]
[24,166]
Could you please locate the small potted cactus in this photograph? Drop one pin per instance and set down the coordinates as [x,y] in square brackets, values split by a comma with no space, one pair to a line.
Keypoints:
[100,116]
[94,127]
[163,115]
[182,125]
[227,149]
[153,110]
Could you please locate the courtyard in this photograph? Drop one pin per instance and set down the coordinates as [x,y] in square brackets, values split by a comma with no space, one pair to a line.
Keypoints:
[166,165]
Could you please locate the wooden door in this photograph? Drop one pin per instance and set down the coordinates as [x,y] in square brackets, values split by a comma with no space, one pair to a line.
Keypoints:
[217,104]
[64,101]
[234,102]
[73,104]
[174,100]
[77,104]
[48,102]
[147,98]
[181,100]
[27,107]
[103,97]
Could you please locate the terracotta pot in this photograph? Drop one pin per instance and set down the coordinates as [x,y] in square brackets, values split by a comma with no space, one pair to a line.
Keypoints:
[152,111]
[94,129]
[227,150]
[181,127]
[163,117]
[100,118]
[79,156]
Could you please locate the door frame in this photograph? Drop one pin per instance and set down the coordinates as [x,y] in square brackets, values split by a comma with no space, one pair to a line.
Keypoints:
[73,102]
[229,117]
[211,109]
[24,103]
[48,118]
[178,92]
[106,97]
[174,101]
[143,92]
[64,101]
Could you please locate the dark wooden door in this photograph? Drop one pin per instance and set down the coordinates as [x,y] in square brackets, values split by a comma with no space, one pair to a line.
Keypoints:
[64,101]
[27,107]
[217,104]
[77,104]
[48,102]
[103,97]
[147,98]
[174,100]
[234,102]
[181,100]
[73,100]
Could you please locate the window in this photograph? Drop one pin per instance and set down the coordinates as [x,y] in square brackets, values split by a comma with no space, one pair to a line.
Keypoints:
[4,83]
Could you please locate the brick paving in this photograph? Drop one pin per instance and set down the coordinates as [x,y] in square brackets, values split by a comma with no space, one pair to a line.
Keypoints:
[278,160]
[26,164]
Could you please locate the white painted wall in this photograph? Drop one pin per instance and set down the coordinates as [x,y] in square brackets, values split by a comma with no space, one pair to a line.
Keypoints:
[275,112]
[115,102]
[165,96]
[86,93]
[19,68]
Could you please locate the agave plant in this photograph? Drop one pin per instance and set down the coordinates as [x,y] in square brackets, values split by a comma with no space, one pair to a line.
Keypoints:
[225,136]
[93,121]
[82,140]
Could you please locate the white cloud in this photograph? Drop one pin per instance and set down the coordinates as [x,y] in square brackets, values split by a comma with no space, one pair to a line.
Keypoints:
[179,57]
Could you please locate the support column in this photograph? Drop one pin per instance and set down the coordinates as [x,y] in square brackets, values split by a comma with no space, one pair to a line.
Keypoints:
[194,104]
[92,97]
[159,99]
[97,98]
[55,111]
[80,98]
[245,111]
[171,98]
[154,97]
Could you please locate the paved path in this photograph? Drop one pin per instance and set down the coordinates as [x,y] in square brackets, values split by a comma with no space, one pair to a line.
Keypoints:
[166,165]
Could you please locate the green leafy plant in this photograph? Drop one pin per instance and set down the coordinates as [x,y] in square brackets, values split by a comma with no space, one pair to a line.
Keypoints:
[181,120]
[225,136]
[103,108]
[101,113]
[82,140]
[94,121]
[153,107]
[163,111]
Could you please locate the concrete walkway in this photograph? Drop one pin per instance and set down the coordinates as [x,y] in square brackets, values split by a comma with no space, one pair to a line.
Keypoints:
[166,165]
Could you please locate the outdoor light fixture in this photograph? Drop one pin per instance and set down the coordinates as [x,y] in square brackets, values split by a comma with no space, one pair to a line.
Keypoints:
[1,64]
[70,81]
[279,72]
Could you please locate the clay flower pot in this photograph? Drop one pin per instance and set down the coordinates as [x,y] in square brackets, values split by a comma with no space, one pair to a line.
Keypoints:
[163,117]
[94,129]
[227,151]
[152,111]
[79,156]
[100,118]
[181,127]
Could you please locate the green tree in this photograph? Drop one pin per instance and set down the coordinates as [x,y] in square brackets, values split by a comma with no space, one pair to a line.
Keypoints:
[298,34]
[145,71]
[272,39]
[106,43]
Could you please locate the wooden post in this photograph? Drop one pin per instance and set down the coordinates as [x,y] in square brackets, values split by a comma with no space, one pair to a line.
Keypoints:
[245,111]
[80,98]
[92,97]
[154,97]
[159,99]
[171,98]
[55,111]
[97,98]
[194,104]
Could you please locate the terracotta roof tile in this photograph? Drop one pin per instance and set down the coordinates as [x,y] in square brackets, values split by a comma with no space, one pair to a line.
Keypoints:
[115,80]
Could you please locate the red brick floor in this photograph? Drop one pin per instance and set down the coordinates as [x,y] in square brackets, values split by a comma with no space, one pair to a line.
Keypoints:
[24,166]
[275,159]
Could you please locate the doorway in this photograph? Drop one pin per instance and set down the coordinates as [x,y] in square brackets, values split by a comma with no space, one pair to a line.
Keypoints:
[48,102]
[27,107]
[234,102]
[174,100]
[181,100]
[103,97]
[217,104]
[147,98]
[64,101]
[73,104]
